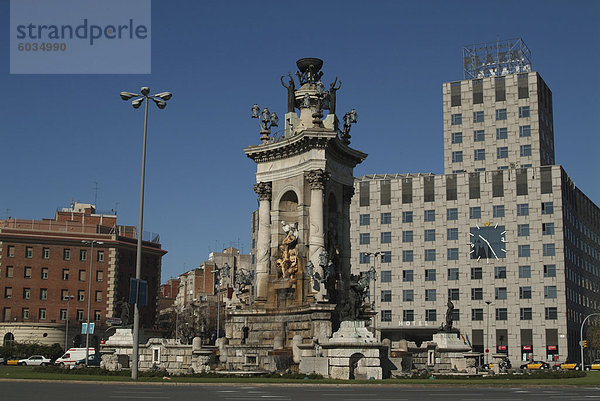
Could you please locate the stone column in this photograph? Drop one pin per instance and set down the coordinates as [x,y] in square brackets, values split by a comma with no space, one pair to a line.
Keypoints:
[263,251]
[316,179]
[345,236]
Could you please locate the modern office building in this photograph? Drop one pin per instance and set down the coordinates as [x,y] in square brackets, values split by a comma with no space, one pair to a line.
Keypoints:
[45,268]
[504,233]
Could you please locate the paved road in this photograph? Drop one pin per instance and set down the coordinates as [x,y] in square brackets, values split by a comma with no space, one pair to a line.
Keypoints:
[66,391]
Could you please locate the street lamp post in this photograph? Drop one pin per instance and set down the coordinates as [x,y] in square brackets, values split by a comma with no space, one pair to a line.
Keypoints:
[160,99]
[217,281]
[487,333]
[89,299]
[68,298]
[375,255]
[581,336]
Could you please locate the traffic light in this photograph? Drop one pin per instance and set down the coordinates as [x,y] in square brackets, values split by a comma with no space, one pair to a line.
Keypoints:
[585,343]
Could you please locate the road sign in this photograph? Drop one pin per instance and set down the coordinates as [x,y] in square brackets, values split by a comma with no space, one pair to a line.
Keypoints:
[84,328]
[113,321]
[134,297]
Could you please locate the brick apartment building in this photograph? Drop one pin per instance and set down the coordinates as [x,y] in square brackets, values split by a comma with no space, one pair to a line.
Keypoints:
[45,268]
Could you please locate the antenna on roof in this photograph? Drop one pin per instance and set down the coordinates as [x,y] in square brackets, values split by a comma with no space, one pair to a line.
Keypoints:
[95,193]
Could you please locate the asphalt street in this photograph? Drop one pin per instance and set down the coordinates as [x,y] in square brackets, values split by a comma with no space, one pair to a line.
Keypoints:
[33,391]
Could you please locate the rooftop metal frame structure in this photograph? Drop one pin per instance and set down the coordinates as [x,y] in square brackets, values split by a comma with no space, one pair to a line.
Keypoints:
[498,58]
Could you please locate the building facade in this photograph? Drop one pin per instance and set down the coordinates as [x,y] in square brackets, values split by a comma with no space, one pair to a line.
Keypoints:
[504,234]
[45,268]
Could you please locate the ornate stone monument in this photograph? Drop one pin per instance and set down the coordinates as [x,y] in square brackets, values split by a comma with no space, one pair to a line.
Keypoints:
[304,183]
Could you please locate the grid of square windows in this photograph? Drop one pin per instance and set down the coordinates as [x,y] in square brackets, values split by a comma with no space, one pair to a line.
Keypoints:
[429,235]
[549,270]
[408,295]
[456,119]
[365,238]
[476,293]
[550,291]
[547,207]
[547,228]
[501,133]
[500,292]
[501,314]
[500,114]
[365,219]
[386,237]
[524,131]
[386,276]
[430,275]
[548,249]
[523,230]
[457,137]
[525,292]
[479,154]
[524,251]
[452,213]
[407,275]
[476,273]
[478,116]
[523,209]
[386,257]
[407,236]
[551,313]
[498,211]
[386,315]
[453,274]
[430,315]
[407,217]
[475,212]
[502,152]
[479,135]
[524,111]
[452,253]
[452,234]
[429,215]
[525,271]
[429,255]
[525,313]
[500,272]
[525,150]
[477,314]
[457,157]
[407,255]
[453,294]
[386,218]
[386,296]
[430,294]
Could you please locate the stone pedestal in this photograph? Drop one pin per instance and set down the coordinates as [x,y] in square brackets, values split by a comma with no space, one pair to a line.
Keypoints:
[450,351]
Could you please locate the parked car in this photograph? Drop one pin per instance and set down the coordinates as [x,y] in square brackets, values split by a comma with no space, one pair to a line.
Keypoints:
[535,365]
[73,355]
[568,366]
[593,366]
[93,360]
[12,360]
[35,360]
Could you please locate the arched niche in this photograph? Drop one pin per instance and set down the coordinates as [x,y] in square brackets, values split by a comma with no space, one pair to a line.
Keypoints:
[288,202]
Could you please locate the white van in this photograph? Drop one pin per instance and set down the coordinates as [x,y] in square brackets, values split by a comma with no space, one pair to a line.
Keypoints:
[73,355]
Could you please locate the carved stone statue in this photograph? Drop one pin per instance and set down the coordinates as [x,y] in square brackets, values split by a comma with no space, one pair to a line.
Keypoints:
[287,263]
[332,90]
[306,101]
[448,326]
[291,89]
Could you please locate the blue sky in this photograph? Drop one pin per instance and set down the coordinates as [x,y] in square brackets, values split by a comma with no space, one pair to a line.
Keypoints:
[62,133]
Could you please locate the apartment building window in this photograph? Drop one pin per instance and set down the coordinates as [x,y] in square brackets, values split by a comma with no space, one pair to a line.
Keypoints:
[364,219]
[549,270]
[64,294]
[479,135]
[8,292]
[502,152]
[547,228]
[26,293]
[501,314]
[525,150]
[365,238]
[497,184]
[501,133]
[451,187]
[364,257]
[548,249]
[452,213]
[500,292]
[81,295]
[429,235]
[386,257]
[475,212]
[386,237]
[65,274]
[524,292]
[43,294]
[407,236]
[474,186]
[42,314]
[386,276]
[25,313]
[44,273]
[453,274]
[476,294]
[452,253]
[524,251]
[429,215]
[457,137]
[456,119]
[429,188]
[477,314]
[525,313]
[386,218]
[456,315]
[407,217]
[385,192]
[430,275]
[407,190]
[523,209]
[479,154]
[29,252]
[498,211]
[429,255]
[547,207]
[407,275]
[524,111]
[476,273]
[83,255]
[364,193]
[500,114]
[100,257]
[523,230]
[550,291]
[98,296]
[430,294]
[66,254]
[80,314]
[477,91]
[500,89]
[551,313]
[63,314]
[524,131]
[10,271]
[386,315]
[407,256]
[46,253]
[455,95]
[430,315]
[457,157]
[524,271]
[452,234]
[408,315]
[97,315]
[478,116]
[500,272]
[82,275]
[522,85]
[386,296]
[546,179]
[408,295]
[11,251]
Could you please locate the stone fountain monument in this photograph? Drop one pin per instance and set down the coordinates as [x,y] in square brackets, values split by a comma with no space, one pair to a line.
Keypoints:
[302,289]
